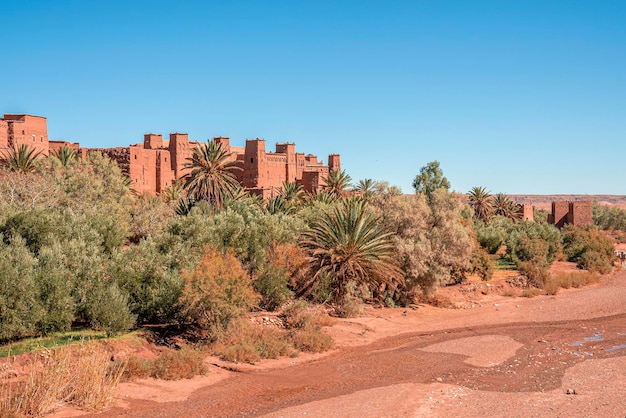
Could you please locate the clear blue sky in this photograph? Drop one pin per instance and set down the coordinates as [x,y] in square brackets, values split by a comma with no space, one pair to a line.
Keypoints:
[516,96]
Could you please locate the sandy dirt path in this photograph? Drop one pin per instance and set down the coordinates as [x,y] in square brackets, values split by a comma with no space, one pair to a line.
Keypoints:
[557,356]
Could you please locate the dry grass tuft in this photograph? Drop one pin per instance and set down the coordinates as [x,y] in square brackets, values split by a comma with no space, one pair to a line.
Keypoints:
[245,342]
[84,377]
[312,339]
[178,364]
[530,292]
[569,280]
[301,315]
[169,365]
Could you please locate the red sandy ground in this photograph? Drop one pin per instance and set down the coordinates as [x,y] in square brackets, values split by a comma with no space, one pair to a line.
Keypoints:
[505,356]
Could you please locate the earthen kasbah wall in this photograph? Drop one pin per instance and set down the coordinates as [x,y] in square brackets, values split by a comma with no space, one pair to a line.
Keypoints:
[156,164]
[16,130]
[4,134]
[580,213]
[527,212]
[560,211]
[572,213]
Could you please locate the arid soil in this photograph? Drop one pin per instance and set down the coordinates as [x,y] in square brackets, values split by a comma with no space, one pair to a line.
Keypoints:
[555,356]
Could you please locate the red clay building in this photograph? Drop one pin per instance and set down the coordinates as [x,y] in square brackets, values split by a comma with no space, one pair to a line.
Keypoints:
[570,213]
[157,163]
[16,130]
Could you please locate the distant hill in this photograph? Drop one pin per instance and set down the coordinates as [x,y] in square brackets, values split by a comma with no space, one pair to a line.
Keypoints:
[544,201]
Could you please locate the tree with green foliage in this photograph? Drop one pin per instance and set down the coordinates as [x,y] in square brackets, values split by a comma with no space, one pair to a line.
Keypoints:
[432,242]
[350,245]
[211,174]
[430,179]
[608,217]
[480,200]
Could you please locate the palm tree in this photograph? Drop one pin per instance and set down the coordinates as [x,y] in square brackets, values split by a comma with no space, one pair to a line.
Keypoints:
[349,244]
[293,193]
[480,201]
[184,206]
[211,175]
[172,193]
[322,196]
[367,187]
[278,204]
[65,155]
[504,206]
[21,158]
[337,182]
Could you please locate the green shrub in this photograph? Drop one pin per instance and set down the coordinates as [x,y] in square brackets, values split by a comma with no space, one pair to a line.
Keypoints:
[595,262]
[20,309]
[37,227]
[296,315]
[108,310]
[482,264]
[55,285]
[536,242]
[273,286]
[589,248]
[608,217]
[154,286]
[491,238]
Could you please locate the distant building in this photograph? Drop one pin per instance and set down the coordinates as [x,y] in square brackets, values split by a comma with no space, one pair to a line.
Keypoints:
[16,130]
[526,212]
[570,213]
[156,164]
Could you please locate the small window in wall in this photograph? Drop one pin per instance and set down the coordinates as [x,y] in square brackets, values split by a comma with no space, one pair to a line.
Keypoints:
[23,132]
[252,160]
[42,139]
[135,156]
[165,159]
[34,138]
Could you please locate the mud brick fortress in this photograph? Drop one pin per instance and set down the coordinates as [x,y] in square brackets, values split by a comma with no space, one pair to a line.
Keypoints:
[157,163]
[571,213]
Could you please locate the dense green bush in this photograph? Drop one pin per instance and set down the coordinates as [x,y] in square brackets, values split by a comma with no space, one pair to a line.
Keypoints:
[152,280]
[55,286]
[490,237]
[432,240]
[481,264]
[107,309]
[530,241]
[608,217]
[589,248]
[20,309]
[273,286]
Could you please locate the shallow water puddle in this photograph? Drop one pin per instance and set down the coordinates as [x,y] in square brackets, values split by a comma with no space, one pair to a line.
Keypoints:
[617,347]
[595,337]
